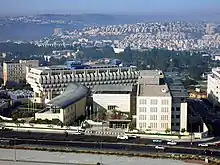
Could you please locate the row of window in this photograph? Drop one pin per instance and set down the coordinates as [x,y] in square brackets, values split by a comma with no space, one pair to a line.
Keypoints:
[176,109]
[177,116]
[153,125]
[153,102]
[153,109]
[153,117]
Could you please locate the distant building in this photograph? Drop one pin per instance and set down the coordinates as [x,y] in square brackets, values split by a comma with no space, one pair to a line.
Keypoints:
[213,87]
[16,72]
[1,72]
[118,50]
[68,106]
[21,95]
[57,31]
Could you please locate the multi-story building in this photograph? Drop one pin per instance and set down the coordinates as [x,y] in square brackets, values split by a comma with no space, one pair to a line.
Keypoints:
[48,82]
[16,72]
[160,106]
[154,102]
[213,87]
[179,105]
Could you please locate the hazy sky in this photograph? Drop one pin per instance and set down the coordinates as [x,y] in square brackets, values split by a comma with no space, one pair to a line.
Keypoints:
[105,6]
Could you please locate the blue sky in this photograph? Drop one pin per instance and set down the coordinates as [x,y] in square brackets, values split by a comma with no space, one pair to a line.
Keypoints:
[105,6]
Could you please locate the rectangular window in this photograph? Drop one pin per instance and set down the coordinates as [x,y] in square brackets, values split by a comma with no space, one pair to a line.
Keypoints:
[143,101]
[164,109]
[143,109]
[153,101]
[142,117]
[178,109]
[153,117]
[111,107]
[165,102]
[177,116]
[153,125]
[164,125]
[164,117]
[142,125]
[153,109]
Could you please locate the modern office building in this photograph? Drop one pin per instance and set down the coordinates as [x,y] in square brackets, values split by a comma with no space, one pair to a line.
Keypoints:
[160,104]
[154,102]
[49,82]
[16,72]
[213,87]
[113,97]
[179,105]
[68,106]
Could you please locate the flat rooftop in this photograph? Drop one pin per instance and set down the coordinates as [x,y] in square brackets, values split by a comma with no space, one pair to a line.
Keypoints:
[150,73]
[77,67]
[154,90]
[112,88]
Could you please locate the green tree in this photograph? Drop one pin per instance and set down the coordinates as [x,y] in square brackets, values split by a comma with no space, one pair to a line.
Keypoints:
[168,130]
[183,130]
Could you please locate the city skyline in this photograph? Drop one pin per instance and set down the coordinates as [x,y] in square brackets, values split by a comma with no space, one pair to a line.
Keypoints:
[99,6]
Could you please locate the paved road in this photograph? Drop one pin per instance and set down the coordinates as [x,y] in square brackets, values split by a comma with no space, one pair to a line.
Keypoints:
[116,147]
[87,138]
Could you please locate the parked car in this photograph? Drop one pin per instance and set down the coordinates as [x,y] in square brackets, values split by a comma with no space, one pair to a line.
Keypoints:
[203,145]
[122,137]
[78,133]
[157,141]
[160,147]
[217,144]
[132,136]
[172,143]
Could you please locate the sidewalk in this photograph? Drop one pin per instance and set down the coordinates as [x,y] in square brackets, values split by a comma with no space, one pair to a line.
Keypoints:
[195,140]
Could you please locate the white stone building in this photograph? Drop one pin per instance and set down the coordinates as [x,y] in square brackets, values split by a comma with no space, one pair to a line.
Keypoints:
[49,82]
[111,97]
[213,87]
[158,109]
[66,107]
[15,72]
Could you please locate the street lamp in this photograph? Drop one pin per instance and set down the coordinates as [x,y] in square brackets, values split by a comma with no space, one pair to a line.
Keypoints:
[191,130]
[101,161]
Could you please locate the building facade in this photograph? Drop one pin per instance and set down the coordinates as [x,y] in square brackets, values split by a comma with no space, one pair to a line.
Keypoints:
[16,72]
[179,105]
[154,102]
[160,103]
[112,97]
[49,82]
[213,87]
[68,106]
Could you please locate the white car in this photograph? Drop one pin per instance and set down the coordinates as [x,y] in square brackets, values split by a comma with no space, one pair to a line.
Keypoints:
[157,141]
[122,137]
[160,147]
[132,136]
[77,133]
[172,143]
[203,145]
